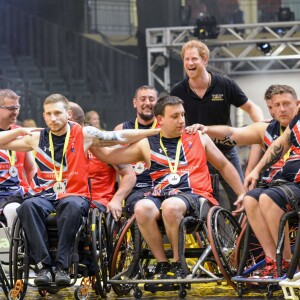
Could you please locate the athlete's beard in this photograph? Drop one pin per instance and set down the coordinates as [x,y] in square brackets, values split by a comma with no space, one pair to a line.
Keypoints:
[146,117]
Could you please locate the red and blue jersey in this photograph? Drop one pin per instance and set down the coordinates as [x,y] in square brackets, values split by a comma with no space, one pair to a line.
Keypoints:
[192,167]
[11,184]
[75,165]
[291,169]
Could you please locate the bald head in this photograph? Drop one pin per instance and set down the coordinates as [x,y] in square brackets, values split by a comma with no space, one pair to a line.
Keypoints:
[77,113]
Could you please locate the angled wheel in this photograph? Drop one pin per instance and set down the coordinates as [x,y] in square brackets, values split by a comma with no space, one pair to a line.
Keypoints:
[125,259]
[223,231]
[4,283]
[18,262]
[99,251]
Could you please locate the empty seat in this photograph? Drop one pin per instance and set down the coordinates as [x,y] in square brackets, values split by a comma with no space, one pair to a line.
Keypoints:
[25,61]
[11,72]
[51,73]
[31,73]
[36,84]
[6,60]
[57,86]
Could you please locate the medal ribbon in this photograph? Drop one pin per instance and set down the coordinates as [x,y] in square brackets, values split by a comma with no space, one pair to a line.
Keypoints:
[136,124]
[58,176]
[286,156]
[12,157]
[173,169]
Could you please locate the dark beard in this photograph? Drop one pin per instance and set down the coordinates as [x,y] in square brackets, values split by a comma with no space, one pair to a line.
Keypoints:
[146,117]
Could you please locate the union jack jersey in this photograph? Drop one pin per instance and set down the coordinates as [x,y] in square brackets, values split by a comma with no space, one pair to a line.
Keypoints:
[192,167]
[11,184]
[291,169]
[271,134]
[75,165]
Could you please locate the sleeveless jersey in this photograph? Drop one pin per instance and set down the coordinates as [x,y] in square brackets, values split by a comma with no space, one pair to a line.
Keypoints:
[75,165]
[8,184]
[271,134]
[143,178]
[192,167]
[103,180]
[291,169]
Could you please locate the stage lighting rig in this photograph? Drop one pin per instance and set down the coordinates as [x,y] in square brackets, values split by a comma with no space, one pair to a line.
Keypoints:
[206,27]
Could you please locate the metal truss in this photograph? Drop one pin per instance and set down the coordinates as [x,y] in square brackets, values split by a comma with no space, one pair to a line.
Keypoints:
[234,52]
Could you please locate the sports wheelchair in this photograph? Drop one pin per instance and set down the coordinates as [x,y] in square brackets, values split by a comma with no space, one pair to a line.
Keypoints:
[250,257]
[89,258]
[4,250]
[206,244]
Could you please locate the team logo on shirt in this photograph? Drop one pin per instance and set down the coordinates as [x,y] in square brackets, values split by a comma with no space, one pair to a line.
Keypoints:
[217,97]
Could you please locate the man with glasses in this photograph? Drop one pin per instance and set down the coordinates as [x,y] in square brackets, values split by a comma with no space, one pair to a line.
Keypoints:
[16,168]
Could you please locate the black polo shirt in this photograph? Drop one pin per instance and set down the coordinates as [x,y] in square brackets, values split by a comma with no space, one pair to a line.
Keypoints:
[214,107]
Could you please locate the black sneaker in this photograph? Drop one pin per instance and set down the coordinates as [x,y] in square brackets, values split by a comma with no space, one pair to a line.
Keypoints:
[44,277]
[62,277]
[175,271]
[161,270]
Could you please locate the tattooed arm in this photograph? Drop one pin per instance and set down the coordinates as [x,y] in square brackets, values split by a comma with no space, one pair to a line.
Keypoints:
[97,138]
[277,150]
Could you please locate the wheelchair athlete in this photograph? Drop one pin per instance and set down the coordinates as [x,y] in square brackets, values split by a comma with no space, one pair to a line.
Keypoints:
[276,200]
[60,182]
[180,176]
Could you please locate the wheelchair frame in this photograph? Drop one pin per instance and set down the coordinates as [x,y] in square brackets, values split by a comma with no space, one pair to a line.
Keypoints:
[92,233]
[132,260]
[250,259]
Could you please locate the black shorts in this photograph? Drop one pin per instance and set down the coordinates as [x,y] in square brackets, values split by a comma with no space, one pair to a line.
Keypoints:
[276,194]
[191,201]
[279,196]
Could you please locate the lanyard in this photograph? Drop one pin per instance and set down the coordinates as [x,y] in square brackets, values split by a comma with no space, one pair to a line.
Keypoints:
[136,124]
[12,157]
[286,156]
[58,177]
[173,169]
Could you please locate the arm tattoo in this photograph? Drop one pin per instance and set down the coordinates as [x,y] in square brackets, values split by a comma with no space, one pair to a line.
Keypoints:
[275,155]
[226,141]
[103,135]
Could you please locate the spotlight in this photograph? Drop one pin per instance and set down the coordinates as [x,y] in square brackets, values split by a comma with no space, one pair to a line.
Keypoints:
[206,27]
[265,48]
[160,60]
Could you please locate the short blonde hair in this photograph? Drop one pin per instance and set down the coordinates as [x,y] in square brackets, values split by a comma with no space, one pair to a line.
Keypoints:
[201,47]
[54,98]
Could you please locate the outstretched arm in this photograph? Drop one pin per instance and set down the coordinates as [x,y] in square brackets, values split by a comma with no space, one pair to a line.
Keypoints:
[97,138]
[231,136]
[139,151]
[10,135]
[275,152]
[126,183]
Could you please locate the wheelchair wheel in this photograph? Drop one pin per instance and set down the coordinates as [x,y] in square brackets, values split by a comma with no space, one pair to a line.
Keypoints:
[99,251]
[19,262]
[4,283]
[223,231]
[248,252]
[125,257]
